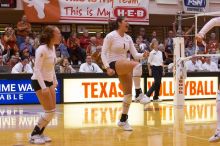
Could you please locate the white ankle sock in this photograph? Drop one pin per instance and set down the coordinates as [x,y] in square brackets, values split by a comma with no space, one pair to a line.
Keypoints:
[218,95]
[218,114]
[137,81]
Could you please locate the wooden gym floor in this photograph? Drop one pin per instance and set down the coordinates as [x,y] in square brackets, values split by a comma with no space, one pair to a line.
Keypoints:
[94,124]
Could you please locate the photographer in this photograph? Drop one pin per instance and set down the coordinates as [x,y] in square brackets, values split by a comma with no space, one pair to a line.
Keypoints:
[65,67]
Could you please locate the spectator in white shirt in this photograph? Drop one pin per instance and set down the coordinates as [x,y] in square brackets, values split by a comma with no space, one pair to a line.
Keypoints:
[193,65]
[213,58]
[22,67]
[209,65]
[89,66]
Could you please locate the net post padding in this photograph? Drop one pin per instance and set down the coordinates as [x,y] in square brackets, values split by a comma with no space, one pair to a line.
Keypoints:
[179,69]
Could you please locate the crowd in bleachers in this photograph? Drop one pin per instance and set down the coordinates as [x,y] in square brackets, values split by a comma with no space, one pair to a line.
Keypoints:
[83,54]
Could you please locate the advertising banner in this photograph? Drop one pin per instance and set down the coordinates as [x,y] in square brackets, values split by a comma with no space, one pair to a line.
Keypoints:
[195,6]
[93,90]
[86,11]
[195,87]
[20,92]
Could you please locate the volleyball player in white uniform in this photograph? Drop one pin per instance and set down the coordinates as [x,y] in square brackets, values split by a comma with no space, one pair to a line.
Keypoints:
[44,81]
[208,26]
[114,56]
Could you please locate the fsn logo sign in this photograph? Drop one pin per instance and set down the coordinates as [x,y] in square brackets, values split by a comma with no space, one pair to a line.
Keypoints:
[195,6]
[195,3]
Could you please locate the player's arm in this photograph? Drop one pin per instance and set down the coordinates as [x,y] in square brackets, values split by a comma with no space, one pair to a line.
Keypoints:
[105,50]
[55,82]
[208,26]
[40,55]
[148,64]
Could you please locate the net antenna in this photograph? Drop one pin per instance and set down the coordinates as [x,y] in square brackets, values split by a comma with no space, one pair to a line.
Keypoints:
[179,21]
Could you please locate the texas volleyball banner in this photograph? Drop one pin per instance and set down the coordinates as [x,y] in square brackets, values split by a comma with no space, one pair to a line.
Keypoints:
[86,11]
[94,90]
[195,87]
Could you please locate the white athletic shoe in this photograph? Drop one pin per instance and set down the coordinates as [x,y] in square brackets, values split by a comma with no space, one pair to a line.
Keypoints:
[218,96]
[46,138]
[37,139]
[125,125]
[143,99]
[215,137]
[157,100]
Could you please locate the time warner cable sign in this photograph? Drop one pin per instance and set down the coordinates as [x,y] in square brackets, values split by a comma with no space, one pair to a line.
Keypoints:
[195,6]
[20,92]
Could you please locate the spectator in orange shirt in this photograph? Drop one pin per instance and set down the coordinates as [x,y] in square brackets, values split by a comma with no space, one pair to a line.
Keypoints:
[9,41]
[213,43]
[96,57]
[99,39]
[23,30]
[73,40]
[92,46]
